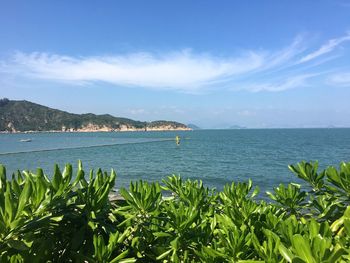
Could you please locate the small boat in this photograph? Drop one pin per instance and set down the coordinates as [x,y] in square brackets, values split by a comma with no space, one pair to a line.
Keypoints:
[25,140]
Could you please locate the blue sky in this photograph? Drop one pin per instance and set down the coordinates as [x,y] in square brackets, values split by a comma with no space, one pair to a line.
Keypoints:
[213,63]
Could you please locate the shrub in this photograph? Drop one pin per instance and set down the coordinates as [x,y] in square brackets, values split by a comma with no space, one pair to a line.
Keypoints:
[66,219]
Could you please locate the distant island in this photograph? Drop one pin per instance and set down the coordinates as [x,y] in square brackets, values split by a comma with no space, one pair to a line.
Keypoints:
[193,126]
[237,127]
[26,116]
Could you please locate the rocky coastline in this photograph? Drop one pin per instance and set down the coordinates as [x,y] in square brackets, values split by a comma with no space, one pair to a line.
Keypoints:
[96,128]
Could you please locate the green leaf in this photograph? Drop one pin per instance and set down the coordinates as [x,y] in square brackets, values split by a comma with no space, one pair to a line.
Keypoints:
[80,165]
[67,172]
[175,244]
[17,244]
[127,260]
[250,261]
[256,191]
[57,178]
[286,253]
[161,234]
[212,252]
[2,176]
[163,255]
[9,204]
[314,228]
[337,252]
[302,248]
[24,197]
[120,257]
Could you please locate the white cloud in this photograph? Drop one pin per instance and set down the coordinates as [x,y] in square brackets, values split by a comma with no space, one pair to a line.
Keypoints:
[179,70]
[183,70]
[326,48]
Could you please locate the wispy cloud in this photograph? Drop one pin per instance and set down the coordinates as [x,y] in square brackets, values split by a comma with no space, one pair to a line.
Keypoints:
[326,48]
[281,85]
[340,79]
[185,70]
[178,70]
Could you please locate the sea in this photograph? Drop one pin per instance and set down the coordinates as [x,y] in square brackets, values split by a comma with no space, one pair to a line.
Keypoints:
[217,157]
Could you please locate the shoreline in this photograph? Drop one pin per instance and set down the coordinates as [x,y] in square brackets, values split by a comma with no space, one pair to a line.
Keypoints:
[102,130]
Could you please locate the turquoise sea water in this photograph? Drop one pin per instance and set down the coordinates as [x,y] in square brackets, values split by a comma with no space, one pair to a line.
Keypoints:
[214,156]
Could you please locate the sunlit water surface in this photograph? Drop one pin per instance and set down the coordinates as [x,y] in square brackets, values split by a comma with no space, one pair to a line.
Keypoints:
[215,156]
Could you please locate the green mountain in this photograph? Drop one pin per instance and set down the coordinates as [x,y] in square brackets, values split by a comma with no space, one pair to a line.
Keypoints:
[20,116]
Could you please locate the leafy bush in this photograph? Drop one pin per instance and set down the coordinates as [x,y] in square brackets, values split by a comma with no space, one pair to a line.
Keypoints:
[68,219]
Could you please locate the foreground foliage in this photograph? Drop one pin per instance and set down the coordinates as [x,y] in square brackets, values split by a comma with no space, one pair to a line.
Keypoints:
[68,219]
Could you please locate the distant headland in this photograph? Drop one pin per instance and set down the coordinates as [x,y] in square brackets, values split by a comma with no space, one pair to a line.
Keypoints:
[26,116]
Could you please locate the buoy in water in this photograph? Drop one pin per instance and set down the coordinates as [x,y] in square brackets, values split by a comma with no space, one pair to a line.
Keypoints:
[177,140]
